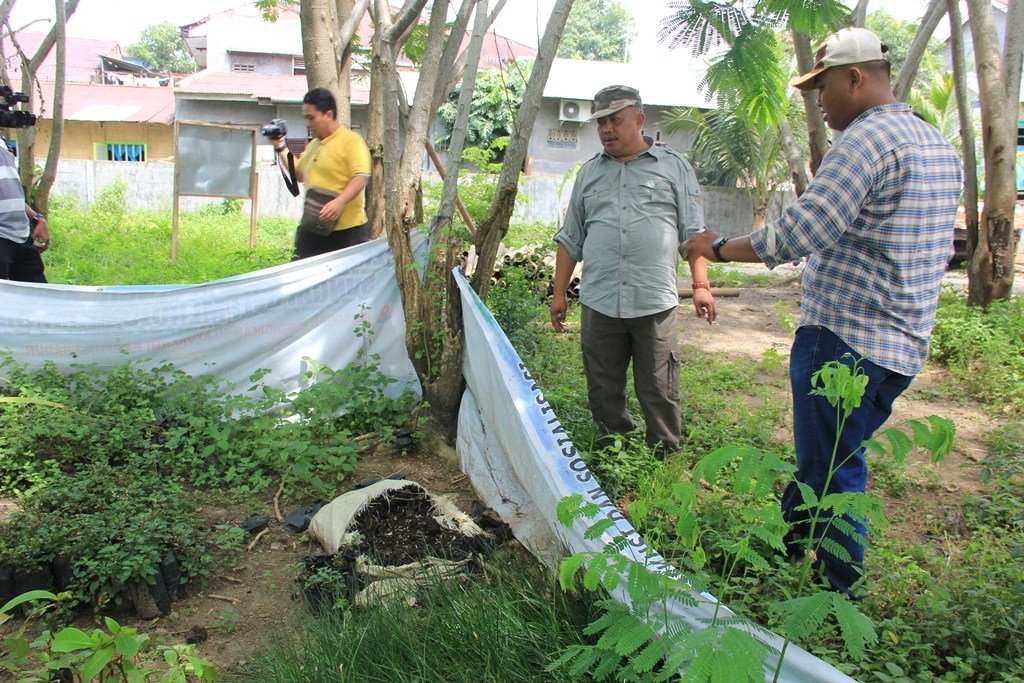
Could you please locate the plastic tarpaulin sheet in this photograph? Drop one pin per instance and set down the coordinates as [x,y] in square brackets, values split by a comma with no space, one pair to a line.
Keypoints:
[272,318]
[522,463]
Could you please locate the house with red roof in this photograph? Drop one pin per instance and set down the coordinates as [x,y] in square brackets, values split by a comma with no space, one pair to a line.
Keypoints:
[113,109]
[252,70]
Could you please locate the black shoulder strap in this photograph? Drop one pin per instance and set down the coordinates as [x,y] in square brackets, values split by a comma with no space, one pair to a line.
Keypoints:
[290,181]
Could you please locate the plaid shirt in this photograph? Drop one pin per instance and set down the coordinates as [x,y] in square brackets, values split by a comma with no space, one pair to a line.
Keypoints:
[877,223]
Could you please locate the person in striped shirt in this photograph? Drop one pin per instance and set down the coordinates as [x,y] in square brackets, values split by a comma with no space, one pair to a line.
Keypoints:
[876,224]
[24,234]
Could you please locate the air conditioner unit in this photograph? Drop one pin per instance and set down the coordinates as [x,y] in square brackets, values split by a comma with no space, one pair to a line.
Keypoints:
[573,110]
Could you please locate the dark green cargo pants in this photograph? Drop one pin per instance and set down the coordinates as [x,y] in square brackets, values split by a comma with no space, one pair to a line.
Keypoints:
[651,342]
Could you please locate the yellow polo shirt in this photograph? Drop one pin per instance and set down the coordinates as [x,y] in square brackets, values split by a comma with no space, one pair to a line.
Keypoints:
[331,163]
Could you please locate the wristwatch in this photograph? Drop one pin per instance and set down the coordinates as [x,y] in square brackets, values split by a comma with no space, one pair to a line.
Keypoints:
[32,222]
[716,247]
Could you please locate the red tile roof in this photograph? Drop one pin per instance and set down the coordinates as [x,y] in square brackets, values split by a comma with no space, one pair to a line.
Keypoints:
[270,87]
[120,103]
[81,58]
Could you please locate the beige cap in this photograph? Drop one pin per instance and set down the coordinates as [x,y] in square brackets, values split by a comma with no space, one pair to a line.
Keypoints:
[847,46]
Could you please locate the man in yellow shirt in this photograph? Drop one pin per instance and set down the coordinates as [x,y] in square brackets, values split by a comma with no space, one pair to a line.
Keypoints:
[337,160]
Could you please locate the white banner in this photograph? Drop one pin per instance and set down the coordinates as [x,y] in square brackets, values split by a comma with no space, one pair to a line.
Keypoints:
[271,319]
[522,463]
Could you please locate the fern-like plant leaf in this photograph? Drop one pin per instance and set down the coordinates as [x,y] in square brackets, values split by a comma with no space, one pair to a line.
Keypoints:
[857,629]
[804,615]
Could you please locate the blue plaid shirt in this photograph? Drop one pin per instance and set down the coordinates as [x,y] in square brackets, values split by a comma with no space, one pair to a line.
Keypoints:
[877,224]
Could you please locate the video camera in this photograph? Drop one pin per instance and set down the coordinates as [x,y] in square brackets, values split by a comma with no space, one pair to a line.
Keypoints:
[277,128]
[14,118]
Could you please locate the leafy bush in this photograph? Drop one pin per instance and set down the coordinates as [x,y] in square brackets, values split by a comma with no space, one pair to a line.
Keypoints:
[477,185]
[735,485]
[496,99]
[198,429]
[982,347]
[517,304]
[113,524]
[117,654]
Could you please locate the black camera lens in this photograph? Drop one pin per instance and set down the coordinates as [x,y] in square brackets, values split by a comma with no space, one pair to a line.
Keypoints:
[275,129]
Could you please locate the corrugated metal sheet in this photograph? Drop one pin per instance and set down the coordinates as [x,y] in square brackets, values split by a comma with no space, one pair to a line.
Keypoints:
[665,85]
[81,59]
[270,87]
[122,103]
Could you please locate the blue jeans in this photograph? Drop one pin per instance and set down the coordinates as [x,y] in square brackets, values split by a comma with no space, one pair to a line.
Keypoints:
[815,423]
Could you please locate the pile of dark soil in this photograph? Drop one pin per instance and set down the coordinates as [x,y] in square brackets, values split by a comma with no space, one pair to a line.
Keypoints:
[400,528]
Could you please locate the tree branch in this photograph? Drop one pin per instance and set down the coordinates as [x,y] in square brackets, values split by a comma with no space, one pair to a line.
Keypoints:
[930,21]
[1013,49]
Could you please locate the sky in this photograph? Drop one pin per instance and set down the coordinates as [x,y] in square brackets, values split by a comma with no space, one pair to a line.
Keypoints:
[522,20]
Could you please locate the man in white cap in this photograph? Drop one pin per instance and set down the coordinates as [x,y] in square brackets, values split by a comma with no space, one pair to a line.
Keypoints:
[632,206]
[877,225]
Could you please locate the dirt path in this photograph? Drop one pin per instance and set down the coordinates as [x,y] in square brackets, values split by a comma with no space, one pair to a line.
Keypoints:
[760,319]
[254,599]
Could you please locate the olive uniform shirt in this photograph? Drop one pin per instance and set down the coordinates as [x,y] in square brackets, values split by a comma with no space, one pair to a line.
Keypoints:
[627,222]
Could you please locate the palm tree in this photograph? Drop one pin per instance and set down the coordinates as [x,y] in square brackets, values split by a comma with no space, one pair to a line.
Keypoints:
[747,75]
[733,150]
[937,105]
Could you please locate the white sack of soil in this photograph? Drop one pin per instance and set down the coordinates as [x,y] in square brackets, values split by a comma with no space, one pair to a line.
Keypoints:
[333,526]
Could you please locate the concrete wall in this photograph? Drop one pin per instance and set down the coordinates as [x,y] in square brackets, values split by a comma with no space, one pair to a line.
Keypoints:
[263,63]
[81,136]
[727,211]
[151,185]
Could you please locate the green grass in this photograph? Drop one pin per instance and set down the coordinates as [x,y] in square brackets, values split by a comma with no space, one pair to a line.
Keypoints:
[502,626]
[983,349]
[945,608]
[108,245]
[728,276]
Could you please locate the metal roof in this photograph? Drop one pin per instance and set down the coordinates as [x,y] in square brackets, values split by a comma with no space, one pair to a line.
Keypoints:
[81,57]
[274,88]
[666,85]
[117,103]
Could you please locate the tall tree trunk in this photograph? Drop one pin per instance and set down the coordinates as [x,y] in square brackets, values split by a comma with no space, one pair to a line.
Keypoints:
[794,159]
[990,271]
[493,228]
[318,20]
[817,134]
[382,114]
[29,66]
[42,196]
[451,66]
[905,80]
[963,105]
[444,317]
[375,191]
[350,12]
[1012,47]
[401,214]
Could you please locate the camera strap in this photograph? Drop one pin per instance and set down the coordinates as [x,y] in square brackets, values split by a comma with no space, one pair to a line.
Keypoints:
[290,181]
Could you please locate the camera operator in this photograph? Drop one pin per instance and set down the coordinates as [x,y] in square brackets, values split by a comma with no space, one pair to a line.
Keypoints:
[24,234]
[336,160]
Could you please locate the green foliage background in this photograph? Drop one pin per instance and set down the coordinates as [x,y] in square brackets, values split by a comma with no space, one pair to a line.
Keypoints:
[597,30]
[496,100]
[160,48]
